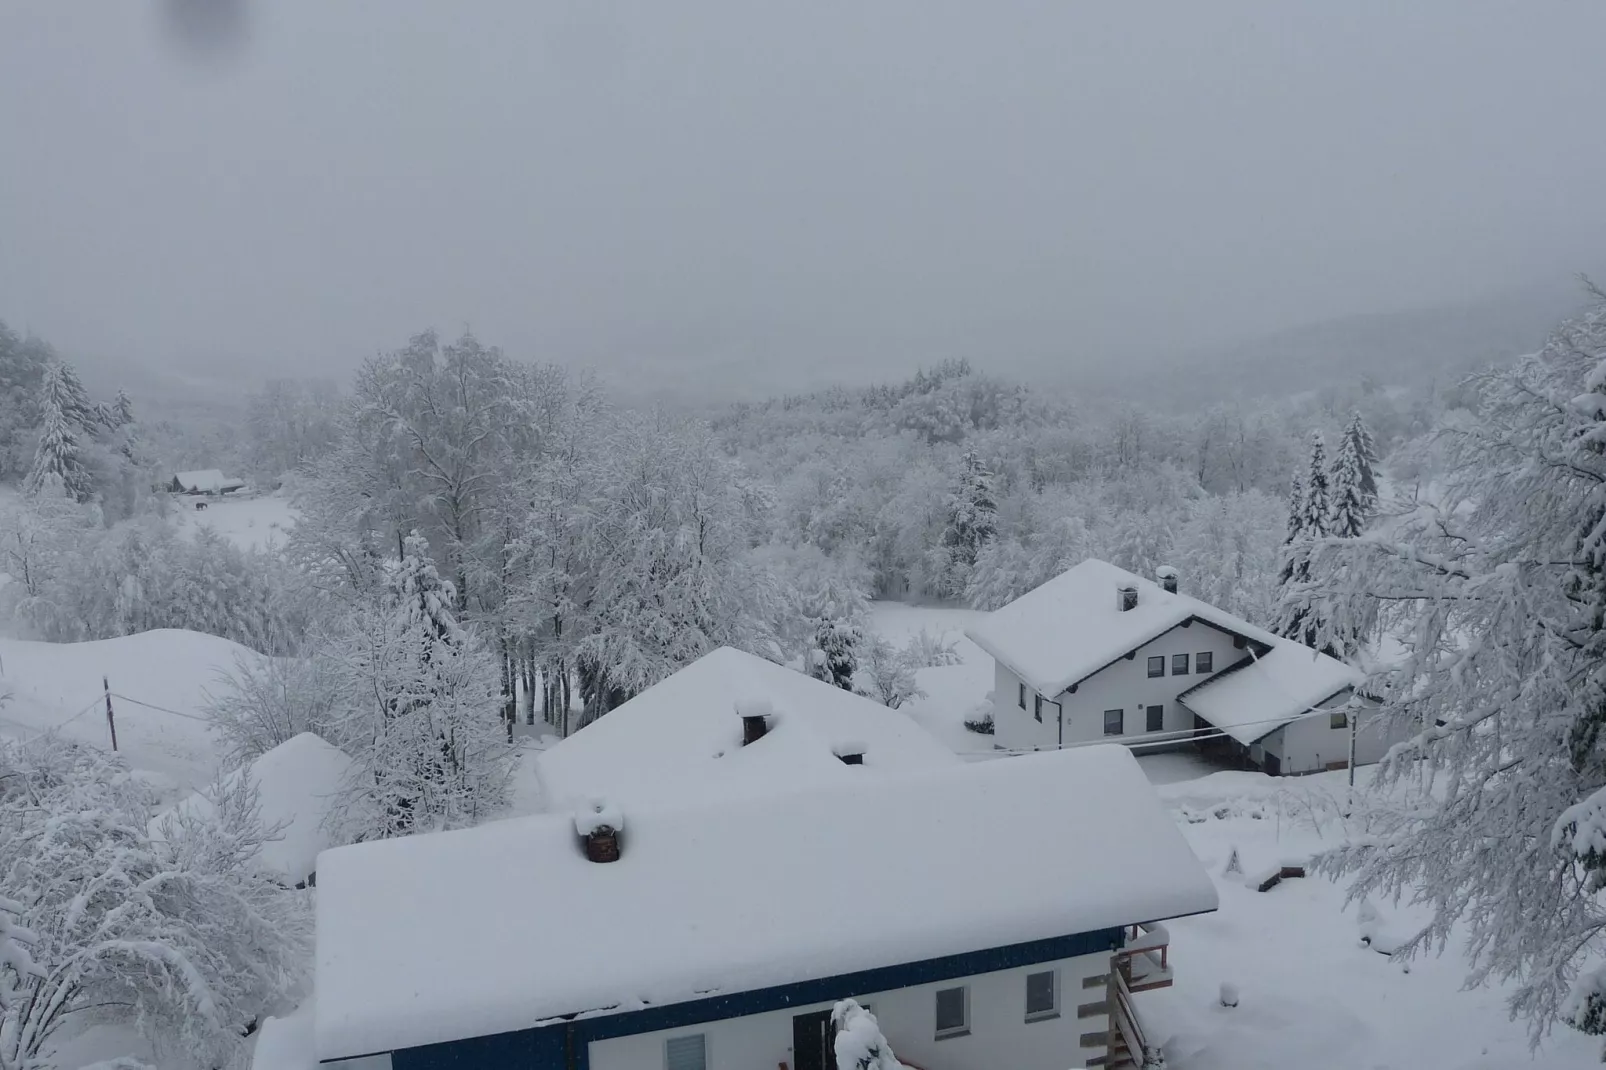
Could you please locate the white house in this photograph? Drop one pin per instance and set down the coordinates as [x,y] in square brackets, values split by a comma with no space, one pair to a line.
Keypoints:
[680,740]
[297,784]
[1098,652]
[716,935]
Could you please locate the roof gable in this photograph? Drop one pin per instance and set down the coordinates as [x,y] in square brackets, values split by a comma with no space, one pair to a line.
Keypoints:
[1069,628]
[679,741]
[717,899]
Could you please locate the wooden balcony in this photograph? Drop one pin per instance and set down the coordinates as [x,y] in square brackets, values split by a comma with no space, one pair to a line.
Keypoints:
[1144,962]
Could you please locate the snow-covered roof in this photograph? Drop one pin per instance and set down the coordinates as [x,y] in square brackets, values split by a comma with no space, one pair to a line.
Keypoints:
[440,937]
[297,782]
[205,479]
[1065,630]
[1286,683]
[680,740]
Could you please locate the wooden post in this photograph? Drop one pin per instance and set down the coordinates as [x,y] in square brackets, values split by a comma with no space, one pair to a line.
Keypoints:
[111,722]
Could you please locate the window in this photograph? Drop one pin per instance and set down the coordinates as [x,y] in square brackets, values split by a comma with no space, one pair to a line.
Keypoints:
[1155,718]
[686,1053]
[1179,664]
[1037,706]
[953,1012]
[1157,665]
[1113,722]
[1338,720]
[1204,661]
[1042,996]
[1022,698]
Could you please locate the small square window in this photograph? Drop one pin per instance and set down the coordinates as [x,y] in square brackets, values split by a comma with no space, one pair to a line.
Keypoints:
[1204,661]
[1338,720]
[1157,665]
[1037,706]
[953,1012]
[1114,722]
[1179,664]
[1022,697]
[1042,996]
[686,1053]
[1154,718]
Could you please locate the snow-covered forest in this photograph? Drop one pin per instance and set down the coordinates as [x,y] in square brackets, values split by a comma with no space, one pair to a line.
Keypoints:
[482,544]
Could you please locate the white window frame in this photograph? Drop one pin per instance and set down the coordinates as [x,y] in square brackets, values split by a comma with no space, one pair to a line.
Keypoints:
[961,1030]
[1054,1006]
[686,1036]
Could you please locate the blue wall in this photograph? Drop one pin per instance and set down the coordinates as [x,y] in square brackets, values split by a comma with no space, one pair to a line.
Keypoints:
[564,1046]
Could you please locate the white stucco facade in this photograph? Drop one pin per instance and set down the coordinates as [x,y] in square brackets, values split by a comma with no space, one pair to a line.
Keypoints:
[1319,742]
[1124,685]
[996,1019]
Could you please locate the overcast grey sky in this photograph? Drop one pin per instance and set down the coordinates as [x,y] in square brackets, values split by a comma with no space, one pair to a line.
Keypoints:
[839,187]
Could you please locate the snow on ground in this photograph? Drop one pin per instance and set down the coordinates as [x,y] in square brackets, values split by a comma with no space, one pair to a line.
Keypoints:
[1310,994]
[953,692]
[58,685]
[251,523]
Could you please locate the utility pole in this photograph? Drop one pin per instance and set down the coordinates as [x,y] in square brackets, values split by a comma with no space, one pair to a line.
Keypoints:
[111,722]
[1353,717]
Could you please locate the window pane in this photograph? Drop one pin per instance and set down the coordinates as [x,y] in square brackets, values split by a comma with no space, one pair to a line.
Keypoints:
[1157,665]
[1037,707]
[1156,715]
[1179,664]
[1040,994]
[1204,661]
[1112,722]
[685,1053]
[1022,696]
[950,1010]
[1338,720]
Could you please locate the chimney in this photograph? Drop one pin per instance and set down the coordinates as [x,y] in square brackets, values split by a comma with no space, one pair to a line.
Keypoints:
[755,714]
[851,753]
[599,826]
[1167,577]
[1126,597]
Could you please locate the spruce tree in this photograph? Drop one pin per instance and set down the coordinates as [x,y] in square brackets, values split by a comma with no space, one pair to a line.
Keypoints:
[1354,488]
[59,454]
[972,521]
[1307,523]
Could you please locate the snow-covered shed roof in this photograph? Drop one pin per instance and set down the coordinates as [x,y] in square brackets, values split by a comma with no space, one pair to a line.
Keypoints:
[446,936]
[1251,700]
[202,480]
[297,782]
[680,740]
[1065,630]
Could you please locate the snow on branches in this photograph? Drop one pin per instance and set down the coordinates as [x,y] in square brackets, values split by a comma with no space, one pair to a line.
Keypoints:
[1497,591]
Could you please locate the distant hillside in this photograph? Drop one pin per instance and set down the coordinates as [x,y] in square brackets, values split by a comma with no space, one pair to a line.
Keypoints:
[1410,348]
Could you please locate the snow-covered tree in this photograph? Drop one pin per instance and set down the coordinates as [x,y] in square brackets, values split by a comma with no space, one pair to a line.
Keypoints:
[891,672]
[1495,818]
[415,701]
[857,1039]
[60,454]
[972,521]
[1353,485]
[1297,616]
[835,657]
[178,935]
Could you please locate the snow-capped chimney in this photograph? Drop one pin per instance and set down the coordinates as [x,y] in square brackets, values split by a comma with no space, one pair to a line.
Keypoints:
[1126,597]
[599,826]
[1167,577]
[851,753]
[755,714]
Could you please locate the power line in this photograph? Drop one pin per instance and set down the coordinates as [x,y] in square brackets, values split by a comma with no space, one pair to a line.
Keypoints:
[162,709]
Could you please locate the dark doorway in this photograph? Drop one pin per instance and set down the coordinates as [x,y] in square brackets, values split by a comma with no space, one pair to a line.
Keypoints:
[811,1042]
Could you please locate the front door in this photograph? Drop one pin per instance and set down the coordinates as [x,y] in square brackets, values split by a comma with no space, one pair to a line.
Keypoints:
[811,1042]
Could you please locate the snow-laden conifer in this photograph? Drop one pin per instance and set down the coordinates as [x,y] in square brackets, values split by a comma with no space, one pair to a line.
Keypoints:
[59,457]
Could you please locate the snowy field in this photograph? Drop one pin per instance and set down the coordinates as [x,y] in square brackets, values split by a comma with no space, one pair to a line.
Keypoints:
[249,522]
[165,675]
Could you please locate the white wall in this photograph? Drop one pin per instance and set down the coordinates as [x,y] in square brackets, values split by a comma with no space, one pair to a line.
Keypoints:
[1015,728]
[1310,743]
[999,1033]
[1127,686]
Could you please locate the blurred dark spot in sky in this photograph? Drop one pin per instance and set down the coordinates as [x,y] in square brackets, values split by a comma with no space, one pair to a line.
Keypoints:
[213,30]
